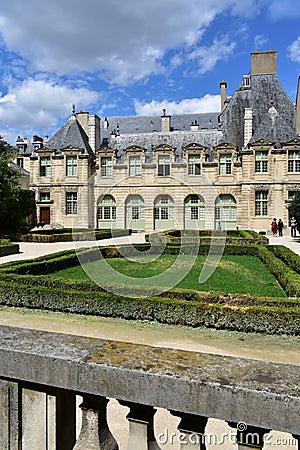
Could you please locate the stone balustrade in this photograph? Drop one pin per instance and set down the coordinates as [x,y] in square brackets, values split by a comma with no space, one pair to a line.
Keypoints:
[42,374]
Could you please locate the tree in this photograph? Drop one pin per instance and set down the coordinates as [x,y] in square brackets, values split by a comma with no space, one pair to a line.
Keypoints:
[294,209]
[15,203]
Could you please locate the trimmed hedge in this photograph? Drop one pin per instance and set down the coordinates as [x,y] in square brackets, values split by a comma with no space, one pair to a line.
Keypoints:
[67,235]
[7,248]
[273,320]
[287,277]
[24,284]
[205,236]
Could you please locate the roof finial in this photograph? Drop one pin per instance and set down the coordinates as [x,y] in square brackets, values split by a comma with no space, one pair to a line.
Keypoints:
[73,110]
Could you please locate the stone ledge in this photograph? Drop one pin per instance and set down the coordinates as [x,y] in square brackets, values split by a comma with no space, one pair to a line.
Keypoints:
[255,392]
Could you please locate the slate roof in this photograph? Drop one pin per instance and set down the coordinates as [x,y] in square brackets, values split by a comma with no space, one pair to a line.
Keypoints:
[273,111]
[149,124]
[71,133]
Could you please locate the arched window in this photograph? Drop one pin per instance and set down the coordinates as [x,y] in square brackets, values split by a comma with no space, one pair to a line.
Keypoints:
[194,213]
[163,212]
[225,212]
[106,214]
[135,212]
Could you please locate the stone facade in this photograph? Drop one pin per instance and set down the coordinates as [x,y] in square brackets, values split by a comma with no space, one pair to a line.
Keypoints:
[238,168]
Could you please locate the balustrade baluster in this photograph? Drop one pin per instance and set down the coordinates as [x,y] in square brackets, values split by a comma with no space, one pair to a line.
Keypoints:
[191,431]
[141,433]
[248,436]
[95,434]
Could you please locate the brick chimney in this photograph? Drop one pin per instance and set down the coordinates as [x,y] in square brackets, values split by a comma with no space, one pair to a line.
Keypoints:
[264,62]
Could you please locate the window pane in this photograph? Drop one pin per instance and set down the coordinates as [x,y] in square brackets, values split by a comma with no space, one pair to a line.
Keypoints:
[106,167]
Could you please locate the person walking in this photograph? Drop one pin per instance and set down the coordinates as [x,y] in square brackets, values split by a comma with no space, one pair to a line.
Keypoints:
[280,227]
[293,225]
[274,227]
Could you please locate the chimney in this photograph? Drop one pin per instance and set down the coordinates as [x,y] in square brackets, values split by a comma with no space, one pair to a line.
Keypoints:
[247,126]
[223,86]
[94,131]
[264,62]
[165,122]
[298,108]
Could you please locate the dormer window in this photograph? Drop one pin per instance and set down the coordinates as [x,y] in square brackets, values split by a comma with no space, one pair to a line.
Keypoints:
[45,166]
[194,164]
[246,81]
[71,166]
[164,165]
[225,164]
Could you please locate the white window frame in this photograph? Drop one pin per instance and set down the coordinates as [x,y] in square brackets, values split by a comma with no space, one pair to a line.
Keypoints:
[194,164]
[71,166]
[261,161]
[71,203]
[106,166]
[261,203]
[225,164]
[163,165]
[45,166]
[134,166]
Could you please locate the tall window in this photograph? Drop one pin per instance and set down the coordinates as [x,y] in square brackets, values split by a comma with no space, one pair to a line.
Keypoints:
[294,161]
[71,203]
[107,208]
[134,166]
[106,166]
[71,166]
[261,162]
[194,164]
[45,167]
[225,164]
[164,165]
[261,203]
[163,209]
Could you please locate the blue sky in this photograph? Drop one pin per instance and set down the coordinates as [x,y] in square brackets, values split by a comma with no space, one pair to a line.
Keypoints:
[129,57]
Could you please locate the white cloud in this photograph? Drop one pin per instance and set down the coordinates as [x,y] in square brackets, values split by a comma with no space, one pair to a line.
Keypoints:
[40,104]
[208,56]
[294,50]
[208,103]
[123,41]
[259,41]
[283,9]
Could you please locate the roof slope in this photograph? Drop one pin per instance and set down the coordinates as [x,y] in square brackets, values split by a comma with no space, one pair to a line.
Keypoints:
[272,109]
[71,133]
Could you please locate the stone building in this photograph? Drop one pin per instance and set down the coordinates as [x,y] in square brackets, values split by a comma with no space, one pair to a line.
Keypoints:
[236,168]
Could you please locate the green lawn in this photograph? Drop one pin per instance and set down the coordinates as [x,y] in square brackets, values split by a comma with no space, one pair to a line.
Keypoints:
[234,274]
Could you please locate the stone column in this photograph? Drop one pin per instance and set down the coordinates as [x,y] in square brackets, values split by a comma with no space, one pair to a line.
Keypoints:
[9,415]
[191,431]
[95,434]
[141,433]
[247,436]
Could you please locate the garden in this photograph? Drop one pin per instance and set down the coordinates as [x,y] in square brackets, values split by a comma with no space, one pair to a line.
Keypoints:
[255,288]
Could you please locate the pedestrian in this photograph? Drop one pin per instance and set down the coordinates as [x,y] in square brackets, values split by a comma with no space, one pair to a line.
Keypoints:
[293,225]
[274,227]
[280,227]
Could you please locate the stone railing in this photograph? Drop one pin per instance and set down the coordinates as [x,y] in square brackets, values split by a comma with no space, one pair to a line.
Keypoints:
[43,374]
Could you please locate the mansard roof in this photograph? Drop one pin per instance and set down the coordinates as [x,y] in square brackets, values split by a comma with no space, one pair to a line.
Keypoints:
[150,124]
[272,109]
[71,133]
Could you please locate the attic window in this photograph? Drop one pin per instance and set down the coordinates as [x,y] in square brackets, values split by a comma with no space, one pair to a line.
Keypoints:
[246,81]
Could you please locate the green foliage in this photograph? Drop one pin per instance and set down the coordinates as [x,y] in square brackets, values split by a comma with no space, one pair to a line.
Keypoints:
[285,275]
[15,204]
[67,235]
[8,248]
[274,315]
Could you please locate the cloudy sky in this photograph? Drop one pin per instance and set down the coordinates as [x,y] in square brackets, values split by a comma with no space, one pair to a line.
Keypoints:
[128,57]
